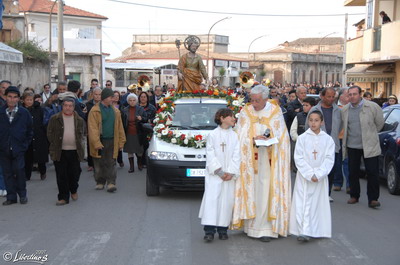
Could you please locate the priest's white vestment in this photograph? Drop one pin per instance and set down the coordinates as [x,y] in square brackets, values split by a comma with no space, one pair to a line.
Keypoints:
[222,151]
[310,214]
[262,193]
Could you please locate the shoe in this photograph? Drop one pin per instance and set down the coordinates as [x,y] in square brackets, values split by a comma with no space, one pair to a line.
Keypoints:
[209,237]
[265,239]
[99,186]
[303,238]
[223,236]
[90,169]
[337,188]
[374,204]
[330,199]
[8,202]
[347,190]
[121,165]
[111,188]
[352,200]
[43,177]
[61,202]
[74,196]
[23,200]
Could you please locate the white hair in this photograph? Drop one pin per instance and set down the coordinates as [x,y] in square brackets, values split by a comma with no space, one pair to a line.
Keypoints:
[96,89]
[260,89]
[131,95]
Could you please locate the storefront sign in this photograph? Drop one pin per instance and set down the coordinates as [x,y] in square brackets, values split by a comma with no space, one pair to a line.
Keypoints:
[370,79]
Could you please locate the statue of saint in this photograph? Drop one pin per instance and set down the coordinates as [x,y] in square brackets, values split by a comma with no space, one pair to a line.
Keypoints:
[191,69]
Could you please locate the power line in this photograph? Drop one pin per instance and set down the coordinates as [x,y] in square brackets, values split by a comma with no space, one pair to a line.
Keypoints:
[233,13]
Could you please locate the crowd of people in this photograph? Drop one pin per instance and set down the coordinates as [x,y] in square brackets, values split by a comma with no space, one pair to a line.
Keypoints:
[322,133]
[70,127]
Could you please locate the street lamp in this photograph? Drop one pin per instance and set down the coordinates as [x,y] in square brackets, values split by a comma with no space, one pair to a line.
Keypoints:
[208,40]
[248,50]
[318,51]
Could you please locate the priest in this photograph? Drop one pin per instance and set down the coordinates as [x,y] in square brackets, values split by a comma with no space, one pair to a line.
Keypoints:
[262,191]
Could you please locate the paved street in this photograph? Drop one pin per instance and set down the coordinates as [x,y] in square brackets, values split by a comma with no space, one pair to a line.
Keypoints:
[130,228]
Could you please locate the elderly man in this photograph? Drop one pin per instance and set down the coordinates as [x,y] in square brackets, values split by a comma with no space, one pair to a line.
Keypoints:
[332,126]
[158,95]
[106,138]
[46,93]
[16,132]
[262,209]
[362,120]
[296,105]
[65,132]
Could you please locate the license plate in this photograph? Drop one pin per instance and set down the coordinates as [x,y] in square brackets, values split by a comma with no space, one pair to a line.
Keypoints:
[195,172]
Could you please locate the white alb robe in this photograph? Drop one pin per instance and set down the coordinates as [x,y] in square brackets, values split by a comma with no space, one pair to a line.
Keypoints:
[311,213]
[260,226]
[218,199]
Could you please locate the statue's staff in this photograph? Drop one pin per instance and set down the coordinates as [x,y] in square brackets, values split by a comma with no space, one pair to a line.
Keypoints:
[178,46]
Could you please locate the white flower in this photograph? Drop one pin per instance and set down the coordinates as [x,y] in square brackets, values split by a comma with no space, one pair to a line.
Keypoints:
[199,144]
[163,114]
[156,120]
[173,140]
[169,122]
[237,115]
[167,95]
[186,141]
[236,103]
[164,132]
[241,101]
[159,135]
[177,133]
[164,105]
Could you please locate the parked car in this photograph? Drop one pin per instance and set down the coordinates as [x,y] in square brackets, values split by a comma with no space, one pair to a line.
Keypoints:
[171,165]
[389,137]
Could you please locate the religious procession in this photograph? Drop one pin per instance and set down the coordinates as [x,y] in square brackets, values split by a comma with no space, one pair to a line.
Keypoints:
[243,144]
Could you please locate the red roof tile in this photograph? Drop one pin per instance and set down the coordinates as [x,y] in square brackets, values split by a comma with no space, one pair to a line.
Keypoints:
[44,6]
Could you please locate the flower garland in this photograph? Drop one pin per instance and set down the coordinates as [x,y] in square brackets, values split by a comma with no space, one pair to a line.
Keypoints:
[164,115]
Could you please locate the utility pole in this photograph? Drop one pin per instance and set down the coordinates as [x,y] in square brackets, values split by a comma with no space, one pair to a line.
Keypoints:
[344,51]
[60,22]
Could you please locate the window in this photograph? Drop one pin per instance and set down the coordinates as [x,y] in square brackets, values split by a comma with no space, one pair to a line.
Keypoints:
[392,120]
[370,12]
[86,33]
[54,31]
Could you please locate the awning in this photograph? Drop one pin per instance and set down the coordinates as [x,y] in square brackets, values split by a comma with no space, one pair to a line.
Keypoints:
[10,55]
[371,73]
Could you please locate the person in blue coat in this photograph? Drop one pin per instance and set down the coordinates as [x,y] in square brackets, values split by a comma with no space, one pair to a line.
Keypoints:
[16,132]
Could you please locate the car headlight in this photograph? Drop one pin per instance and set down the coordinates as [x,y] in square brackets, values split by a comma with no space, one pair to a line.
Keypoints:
[163,156]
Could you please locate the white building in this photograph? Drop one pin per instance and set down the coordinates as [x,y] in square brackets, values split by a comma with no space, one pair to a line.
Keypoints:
[84,59]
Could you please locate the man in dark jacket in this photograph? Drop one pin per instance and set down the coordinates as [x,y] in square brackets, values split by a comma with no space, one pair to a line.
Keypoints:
[296,106]
[74,87]
[158,95]
[15,136]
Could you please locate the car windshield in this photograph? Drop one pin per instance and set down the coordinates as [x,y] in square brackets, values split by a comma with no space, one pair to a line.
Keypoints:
[195,116]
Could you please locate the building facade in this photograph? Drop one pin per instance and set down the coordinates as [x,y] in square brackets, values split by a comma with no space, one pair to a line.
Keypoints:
[286,65]
[82,39]
[375,53]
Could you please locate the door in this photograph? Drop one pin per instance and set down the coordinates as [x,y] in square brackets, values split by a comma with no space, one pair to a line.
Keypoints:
[278,76]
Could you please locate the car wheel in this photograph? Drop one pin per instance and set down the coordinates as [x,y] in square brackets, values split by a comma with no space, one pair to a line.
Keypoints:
[152,189]
[393,179]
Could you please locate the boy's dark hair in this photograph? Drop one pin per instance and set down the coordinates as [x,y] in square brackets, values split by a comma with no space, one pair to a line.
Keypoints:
[225,112]
[310,100]
[319,113]
[94,79]
[292,91]
[74,86]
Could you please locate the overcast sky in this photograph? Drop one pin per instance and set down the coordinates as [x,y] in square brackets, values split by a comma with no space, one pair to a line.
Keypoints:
[125,20]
